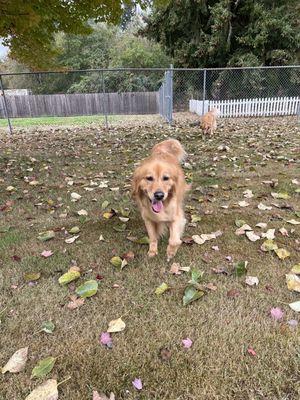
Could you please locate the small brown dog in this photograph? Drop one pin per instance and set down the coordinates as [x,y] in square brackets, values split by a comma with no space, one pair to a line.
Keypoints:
[209,121]
[159,187]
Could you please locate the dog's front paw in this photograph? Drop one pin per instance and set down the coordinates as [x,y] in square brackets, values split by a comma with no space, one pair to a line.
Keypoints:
[152,253]
[171,251]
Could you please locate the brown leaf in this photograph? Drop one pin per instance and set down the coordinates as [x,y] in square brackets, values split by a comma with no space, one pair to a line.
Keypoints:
[232,293]
[128,256]
[17,361]
[75,302]
[165,354]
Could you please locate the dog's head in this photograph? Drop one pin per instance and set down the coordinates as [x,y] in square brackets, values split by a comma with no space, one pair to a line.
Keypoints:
[156,181]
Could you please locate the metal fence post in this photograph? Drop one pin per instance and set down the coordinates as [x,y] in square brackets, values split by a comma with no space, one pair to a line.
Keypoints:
[171,95]
[104,102]
[5,106]
[204,90]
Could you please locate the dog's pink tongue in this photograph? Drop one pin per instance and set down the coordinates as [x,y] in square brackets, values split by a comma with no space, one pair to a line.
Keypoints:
[157,206]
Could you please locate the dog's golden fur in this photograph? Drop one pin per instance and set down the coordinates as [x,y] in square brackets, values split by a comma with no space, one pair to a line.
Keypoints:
[162,174]
[209,121]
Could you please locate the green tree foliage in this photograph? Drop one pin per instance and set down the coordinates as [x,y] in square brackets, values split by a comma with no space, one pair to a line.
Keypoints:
[106,47]
[218,33]
[29,27]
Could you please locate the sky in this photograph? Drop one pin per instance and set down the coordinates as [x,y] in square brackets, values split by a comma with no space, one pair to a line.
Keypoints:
[3,51]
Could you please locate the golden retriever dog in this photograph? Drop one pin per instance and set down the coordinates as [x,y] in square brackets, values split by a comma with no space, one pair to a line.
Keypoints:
[159,187]
[209,121]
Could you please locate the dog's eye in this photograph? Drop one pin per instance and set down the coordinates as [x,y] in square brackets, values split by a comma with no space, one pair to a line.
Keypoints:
[149,178]
[166,178]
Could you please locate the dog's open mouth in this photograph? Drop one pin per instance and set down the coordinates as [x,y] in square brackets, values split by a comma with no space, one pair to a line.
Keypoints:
[157,205]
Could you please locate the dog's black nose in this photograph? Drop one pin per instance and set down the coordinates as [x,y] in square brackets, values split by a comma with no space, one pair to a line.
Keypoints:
[159,195]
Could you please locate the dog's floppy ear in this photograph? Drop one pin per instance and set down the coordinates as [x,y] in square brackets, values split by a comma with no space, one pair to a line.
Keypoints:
[135,183]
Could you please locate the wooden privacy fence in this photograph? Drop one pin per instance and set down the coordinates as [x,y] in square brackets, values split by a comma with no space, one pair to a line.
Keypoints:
[64,105]
[248,107]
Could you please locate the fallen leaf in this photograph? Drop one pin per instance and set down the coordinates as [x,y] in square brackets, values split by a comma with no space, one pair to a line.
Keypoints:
[43,367]
[263,207]
[48,326]
[252,236]
[293,323]
[32,276]
[75,196]
[137,383]
[243,203]
[280,195]
[295,306]
[72,239]
[269,245]
[47,253]
[75,302]
[293,222]
[129,256]
[46,391]
[165,354]
[105,338]
[195,218]
[283,231]
[197,239]
[87,289]
[251,280]
[220,270]
[116,261]
[68,277]
[296,269]
[248,194]
[243,229]
[82,212]
[17,361]
[187,343]
[240,222]
[240,268]
[270,234]
[75,229]
[191,294]
[116,325]
[175,269]
[282,253]
[276,313]
[45,236]
[162,288]
[232,293]
[251,351]
[293,282]
[97,396]
[262,225]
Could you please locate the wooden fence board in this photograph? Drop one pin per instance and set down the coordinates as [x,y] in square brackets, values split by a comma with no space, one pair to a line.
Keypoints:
[63,105]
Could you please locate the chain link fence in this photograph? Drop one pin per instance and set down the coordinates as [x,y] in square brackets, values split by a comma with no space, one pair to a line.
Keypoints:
[103,93]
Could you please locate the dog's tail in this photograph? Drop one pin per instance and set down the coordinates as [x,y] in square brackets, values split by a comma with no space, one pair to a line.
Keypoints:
[170,146]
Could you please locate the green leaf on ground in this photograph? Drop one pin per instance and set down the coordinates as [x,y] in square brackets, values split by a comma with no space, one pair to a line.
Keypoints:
[87,289]
[269,245]
[48,326]
[191,294]
[116,261]
[241,268]
[32,276]
[162,288]
[43,367]
[74,230]
[68,277]
[45,236]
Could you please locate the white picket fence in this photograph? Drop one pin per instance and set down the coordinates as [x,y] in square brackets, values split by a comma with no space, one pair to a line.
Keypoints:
[248,107]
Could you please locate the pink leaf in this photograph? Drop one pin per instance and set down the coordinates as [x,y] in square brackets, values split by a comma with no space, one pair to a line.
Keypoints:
[293,323]
[187,343]
[276,313]
[251,351]
[46,253]
[105,338]
[137,383]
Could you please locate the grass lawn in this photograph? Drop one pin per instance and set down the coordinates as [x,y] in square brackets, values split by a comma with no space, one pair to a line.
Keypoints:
[57,121]
[239,352]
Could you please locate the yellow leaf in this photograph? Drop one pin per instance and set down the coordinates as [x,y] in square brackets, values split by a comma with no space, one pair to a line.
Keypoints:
[282,253]
[116,325]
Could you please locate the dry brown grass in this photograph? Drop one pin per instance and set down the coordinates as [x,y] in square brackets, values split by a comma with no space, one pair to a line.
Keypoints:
[217,367]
